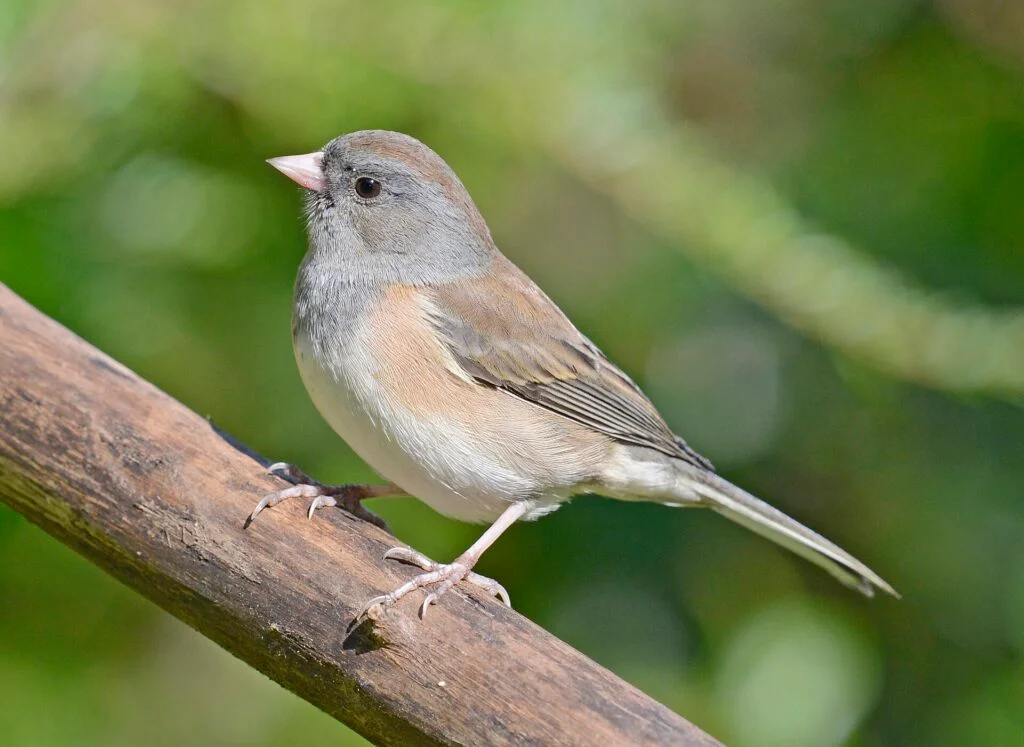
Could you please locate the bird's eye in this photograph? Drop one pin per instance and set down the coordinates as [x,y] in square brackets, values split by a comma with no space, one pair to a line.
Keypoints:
[367,188]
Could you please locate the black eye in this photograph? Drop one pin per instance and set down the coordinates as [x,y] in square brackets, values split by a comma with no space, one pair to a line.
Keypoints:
[367,188]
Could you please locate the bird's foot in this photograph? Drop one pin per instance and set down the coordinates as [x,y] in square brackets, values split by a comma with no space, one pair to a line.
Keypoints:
[439,578]
[348,497]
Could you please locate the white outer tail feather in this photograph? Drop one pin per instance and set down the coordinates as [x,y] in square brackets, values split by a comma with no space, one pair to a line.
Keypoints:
[740,506]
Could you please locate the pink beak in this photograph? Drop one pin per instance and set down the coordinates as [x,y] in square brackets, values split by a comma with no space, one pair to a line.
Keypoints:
[305,169]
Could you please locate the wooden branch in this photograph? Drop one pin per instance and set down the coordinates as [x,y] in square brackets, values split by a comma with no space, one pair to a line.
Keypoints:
[152,493]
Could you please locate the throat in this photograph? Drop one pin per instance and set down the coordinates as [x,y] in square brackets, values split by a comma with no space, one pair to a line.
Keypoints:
[327,305]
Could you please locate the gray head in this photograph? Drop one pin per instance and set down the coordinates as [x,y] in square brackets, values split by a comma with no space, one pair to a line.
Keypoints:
[382,207]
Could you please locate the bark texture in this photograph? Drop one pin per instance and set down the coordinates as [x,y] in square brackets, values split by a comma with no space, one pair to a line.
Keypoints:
[151,492]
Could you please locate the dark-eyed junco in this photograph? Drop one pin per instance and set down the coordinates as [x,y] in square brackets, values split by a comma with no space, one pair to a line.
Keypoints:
[452,374]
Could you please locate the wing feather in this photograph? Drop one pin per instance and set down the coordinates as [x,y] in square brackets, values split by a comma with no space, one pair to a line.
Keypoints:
[504,332]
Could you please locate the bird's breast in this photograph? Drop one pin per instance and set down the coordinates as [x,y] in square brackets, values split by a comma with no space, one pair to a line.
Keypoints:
[391,390]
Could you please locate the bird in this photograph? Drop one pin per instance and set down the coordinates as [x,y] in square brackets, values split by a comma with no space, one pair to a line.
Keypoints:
[460,382]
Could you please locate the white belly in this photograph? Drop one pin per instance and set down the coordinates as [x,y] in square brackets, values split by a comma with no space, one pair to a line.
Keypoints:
[430,458]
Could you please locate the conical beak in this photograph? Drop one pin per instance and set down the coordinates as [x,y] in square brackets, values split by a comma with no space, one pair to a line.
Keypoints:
[305,169]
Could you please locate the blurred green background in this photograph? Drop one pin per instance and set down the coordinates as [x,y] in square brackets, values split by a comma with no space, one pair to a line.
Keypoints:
[798,224]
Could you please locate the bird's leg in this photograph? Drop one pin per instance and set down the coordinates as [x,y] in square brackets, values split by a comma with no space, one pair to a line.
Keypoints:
[348,497]
[440,577]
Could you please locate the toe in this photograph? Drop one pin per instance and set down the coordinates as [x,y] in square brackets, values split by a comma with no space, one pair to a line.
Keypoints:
[410,556]
[428,600]
[267,500]
[291,473]
[491,586]
[321,501]
[382,602]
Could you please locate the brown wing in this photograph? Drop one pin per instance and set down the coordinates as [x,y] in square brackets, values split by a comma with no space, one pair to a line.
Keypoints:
[504,332]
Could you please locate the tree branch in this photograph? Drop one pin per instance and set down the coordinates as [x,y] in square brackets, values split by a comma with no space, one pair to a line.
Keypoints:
[149,491]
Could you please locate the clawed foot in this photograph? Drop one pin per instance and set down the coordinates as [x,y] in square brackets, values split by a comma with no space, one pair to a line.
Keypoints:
[348,497]
[440,576]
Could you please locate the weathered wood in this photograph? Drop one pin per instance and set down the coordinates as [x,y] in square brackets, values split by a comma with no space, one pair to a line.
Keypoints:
[149,491]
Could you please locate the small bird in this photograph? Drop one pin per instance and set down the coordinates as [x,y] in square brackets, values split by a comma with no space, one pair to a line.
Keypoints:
[456,378]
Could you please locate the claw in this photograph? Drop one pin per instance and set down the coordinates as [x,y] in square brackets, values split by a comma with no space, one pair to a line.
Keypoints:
[410,556]
[395,553]
[428,600]
[321,501]
[291,473]
[491,586]
[264,502]
[271,499]
[383,601]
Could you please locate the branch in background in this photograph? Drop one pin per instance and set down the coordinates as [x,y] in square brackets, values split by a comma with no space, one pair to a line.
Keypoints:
[149,491]
[742,229]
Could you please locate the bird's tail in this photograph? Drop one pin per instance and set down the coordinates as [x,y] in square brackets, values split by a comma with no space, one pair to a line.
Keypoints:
[722,496]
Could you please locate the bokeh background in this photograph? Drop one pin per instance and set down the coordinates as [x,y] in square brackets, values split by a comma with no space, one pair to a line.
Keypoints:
[797,223]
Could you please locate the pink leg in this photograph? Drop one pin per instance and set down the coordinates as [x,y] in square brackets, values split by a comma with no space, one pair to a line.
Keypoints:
[348,497]
[444,576]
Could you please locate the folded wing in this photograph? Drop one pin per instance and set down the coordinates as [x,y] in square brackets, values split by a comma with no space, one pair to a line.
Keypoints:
[504,332]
